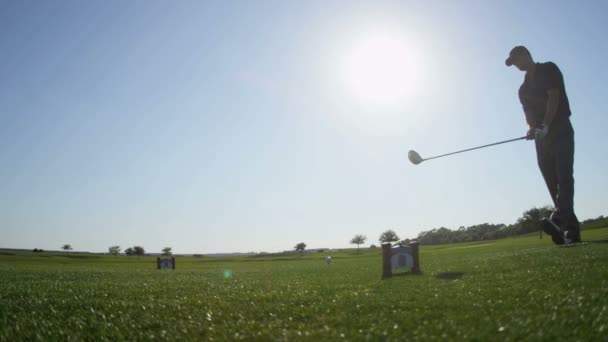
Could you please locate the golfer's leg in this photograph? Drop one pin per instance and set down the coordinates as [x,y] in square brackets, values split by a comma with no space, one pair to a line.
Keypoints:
[575,226]
[565,179]
[546,164]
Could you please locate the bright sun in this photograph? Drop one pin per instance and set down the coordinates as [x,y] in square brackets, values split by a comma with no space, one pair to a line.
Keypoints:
[381,69]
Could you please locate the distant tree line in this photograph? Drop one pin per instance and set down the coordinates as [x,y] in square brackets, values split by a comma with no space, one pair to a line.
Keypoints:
[593,220]
[480,232]
[138,250]
[529,222]
[135,250]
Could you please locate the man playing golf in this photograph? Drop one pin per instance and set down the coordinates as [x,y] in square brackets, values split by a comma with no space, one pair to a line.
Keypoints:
[547,111]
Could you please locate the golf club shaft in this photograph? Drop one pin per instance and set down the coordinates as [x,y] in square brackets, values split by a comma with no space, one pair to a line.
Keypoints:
[478,147]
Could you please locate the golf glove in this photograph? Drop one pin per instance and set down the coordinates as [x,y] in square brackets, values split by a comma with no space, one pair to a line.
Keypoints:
[541,133]
[531,133]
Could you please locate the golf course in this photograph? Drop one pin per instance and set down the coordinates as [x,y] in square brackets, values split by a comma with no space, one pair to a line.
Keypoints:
[303,171]
[522,288]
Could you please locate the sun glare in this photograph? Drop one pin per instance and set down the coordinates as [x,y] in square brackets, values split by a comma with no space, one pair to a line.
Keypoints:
[381,69]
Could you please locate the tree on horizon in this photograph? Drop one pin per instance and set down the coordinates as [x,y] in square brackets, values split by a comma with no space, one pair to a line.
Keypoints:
[389,236]
[139,250]
[300,247]
[359,239]
[114,250]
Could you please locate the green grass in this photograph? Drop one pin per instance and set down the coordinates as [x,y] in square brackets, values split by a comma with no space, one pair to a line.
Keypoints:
[511,289]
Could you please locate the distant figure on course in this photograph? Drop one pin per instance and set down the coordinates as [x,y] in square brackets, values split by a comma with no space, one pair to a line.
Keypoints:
[547,111]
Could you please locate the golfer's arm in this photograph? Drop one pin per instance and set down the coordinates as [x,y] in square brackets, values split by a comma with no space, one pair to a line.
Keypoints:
[552,103]
[529,120]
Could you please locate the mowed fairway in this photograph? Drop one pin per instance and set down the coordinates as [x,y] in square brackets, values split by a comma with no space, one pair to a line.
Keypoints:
[511,289]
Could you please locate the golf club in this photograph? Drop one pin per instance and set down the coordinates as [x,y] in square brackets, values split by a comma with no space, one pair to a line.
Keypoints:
[416,159]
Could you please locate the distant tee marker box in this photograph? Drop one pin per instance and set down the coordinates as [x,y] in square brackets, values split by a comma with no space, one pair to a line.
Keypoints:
[165,263]
[400,256]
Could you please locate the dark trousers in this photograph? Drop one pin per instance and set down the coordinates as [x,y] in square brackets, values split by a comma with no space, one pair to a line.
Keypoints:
[555,155]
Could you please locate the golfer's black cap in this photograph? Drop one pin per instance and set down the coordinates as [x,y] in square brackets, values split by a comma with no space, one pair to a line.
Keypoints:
[516,51]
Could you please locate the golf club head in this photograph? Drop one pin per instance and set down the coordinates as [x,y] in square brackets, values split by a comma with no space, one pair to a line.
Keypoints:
[414,157]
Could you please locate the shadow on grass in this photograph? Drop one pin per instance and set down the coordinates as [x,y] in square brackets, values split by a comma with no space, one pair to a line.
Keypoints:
[449,275]
[595,241]
[583,243]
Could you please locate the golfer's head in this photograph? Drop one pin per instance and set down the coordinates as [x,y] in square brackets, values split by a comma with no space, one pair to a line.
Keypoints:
[520,57]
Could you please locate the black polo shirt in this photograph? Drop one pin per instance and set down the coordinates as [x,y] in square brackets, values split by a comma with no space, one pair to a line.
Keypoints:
[533,93]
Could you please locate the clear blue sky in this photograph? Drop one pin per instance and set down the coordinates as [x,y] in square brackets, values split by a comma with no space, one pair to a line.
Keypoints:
[220,126]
